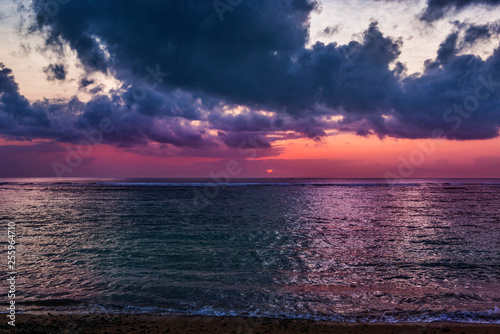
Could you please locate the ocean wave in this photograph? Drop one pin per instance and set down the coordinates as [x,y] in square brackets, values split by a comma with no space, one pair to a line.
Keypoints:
[244,184]
[491,316]
[250,184]
[171,184]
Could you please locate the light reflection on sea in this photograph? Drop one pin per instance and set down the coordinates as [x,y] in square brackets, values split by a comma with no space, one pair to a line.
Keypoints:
[315,249]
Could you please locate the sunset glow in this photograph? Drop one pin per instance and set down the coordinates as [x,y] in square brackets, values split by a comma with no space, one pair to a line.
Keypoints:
[166,119]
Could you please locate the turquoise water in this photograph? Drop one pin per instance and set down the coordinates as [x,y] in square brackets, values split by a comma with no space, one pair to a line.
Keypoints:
[346,250]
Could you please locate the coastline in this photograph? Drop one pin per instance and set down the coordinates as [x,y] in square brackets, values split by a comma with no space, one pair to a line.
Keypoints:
[143,323]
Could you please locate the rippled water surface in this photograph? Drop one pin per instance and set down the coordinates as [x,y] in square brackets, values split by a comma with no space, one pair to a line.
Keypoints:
[345,250]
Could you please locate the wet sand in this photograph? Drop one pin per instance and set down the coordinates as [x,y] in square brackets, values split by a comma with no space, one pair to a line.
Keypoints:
[107,323]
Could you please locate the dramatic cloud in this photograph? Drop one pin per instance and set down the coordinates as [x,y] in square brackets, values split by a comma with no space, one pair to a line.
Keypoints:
[17,116]
[437,9]
[201,77]
[55,72]
[84,82]
[331,30]
[127,123]
[473,34]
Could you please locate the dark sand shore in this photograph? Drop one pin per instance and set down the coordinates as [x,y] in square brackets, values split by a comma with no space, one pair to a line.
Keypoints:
[105,323]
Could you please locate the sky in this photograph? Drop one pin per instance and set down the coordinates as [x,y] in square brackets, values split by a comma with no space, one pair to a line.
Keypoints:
[250,88]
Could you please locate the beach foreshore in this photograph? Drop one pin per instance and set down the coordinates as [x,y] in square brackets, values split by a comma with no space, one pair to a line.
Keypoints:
[141,323]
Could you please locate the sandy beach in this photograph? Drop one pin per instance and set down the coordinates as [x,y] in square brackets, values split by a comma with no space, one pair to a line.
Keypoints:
[127,323]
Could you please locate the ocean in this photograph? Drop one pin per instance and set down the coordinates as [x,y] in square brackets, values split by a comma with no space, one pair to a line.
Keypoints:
[342,250]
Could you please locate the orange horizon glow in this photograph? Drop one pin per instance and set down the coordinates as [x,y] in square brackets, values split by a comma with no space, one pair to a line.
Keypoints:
[339,156]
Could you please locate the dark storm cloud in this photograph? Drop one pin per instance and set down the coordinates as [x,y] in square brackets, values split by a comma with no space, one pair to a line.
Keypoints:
[55,72]
[437,9]
[95,90]
[159,118]
[458,94]
[266,125]
[15,111]
[331,30]
[473,34]
[84,82]
[457,97]
[74,121]
[256,58]
[244,140]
